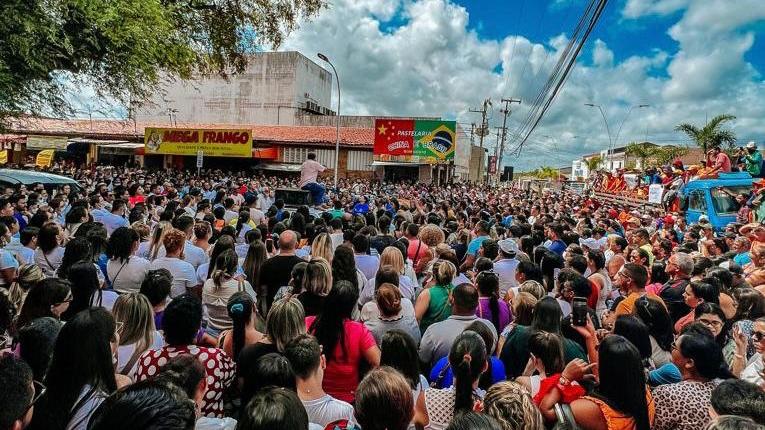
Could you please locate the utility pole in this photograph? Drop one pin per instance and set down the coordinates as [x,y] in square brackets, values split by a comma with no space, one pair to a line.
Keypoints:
[484,128]
[505,112]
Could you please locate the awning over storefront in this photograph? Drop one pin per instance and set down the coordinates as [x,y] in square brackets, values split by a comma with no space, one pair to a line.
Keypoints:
[396,163]
[38,143]
[280,167]
[126,148]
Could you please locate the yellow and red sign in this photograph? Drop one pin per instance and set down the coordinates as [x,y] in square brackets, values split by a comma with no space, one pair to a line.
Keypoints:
[189,141]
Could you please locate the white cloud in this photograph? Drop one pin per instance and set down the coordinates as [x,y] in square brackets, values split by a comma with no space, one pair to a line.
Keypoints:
[432,64]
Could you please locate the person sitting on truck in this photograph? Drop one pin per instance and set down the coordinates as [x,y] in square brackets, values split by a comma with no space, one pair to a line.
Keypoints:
[309,171]
[718,161]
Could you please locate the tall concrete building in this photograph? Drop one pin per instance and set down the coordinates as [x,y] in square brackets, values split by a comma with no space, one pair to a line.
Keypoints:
[276,88]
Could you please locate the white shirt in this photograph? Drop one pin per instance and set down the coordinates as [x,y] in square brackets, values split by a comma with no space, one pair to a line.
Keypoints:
[192,254]
[26,255]
[49,263]
[367,264]
[113,222]
[405,285]
[752,371]
[327,409]
[183,273]
[127,276]
[505,269]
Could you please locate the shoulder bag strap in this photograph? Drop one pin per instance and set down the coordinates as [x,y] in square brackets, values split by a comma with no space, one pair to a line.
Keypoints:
[133,359]
[113,280]
[441,375]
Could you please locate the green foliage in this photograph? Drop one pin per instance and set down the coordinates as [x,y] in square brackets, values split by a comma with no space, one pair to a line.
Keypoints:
[593,163]
[711,134]
[642,151]
[666,154]
[123,48]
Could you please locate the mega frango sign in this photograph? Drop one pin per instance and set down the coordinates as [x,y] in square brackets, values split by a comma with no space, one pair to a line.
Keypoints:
[188,141]
[416,141]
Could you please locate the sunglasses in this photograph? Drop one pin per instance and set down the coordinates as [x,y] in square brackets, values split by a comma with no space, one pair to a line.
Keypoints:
[758,335]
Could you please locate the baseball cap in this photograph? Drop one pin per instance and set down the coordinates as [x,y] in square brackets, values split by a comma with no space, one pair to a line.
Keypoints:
[508,246]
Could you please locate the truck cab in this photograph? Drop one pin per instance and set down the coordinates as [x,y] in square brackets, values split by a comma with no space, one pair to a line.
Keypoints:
[715,198]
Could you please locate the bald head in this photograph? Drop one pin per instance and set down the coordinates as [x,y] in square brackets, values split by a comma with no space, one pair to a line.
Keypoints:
[287,241]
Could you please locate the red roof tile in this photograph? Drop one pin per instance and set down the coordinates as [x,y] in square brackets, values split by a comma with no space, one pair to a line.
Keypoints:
[284,134]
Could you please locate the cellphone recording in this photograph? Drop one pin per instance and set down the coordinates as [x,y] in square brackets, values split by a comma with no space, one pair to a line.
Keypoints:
[579,312]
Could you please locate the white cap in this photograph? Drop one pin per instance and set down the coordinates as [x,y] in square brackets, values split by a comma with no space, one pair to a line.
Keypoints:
[590,243]
[508,246]
[751,144]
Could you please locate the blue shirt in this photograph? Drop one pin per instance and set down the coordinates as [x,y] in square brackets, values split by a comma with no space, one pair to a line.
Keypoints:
[557,246]
[113,222]
[742,259]
[497,372]
[475,245]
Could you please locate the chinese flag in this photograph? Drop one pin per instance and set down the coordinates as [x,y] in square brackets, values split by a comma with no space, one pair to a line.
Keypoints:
[394,137]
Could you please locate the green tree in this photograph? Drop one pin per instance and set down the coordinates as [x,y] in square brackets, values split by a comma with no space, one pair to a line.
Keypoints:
[642,151]
[546,172]
[711,134]
[593,163]
[122,48]
[665,154]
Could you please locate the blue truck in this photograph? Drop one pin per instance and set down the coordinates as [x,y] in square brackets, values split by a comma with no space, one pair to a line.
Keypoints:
[715,198]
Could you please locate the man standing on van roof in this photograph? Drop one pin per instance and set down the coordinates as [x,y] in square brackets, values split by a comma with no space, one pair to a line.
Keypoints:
[752,159]
[309,171]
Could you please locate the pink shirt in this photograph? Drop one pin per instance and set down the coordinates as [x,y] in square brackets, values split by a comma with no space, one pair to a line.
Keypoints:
[723,162]
[309,171]
[341,377]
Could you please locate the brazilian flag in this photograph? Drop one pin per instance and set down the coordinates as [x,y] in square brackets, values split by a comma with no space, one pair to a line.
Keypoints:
[435,139]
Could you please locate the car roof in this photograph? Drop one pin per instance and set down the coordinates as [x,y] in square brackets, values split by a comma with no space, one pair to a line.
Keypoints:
[28,177]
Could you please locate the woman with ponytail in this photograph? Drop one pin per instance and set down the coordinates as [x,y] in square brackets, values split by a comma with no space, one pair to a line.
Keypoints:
[489,306]
[242,311]
[435,408]
[219,289]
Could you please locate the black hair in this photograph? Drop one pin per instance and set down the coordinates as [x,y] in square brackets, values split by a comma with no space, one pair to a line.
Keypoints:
[274,408]
[270,370]
[36,341]
[182,319]
[344,266]
[224,243]
[304,355]
[185,371]
[547,316]
[467,344]
[150,405]
[41,297]
[598,258]
[622,380]
[399,351]
[577,262]
[156,285]
[328,325]
[739,397]
[530,271]
[704,291]
[29,233]
[360,244]
[83,278]
[78,249]
[47,240]
[655,316]
[658,273]
[82,356]
[697,343]
[17,394]
[488,286]
[240,307]
[548,347]
[634,330]
[120,244]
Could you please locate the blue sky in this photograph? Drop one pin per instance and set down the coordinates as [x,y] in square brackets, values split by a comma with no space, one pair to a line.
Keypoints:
[688,59]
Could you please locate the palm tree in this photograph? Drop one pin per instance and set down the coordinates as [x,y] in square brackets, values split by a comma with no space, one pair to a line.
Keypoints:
[665,154]
[642,151]
[547,172]
[711,134]
[593,163]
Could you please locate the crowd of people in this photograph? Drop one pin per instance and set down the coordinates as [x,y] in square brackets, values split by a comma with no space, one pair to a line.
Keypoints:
[159,299]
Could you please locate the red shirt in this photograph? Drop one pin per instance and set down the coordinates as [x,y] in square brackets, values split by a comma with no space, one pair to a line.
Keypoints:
[219,367]
[341,377]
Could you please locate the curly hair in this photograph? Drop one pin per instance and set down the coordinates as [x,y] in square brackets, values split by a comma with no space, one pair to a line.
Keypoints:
[174,240]
[511,405]
[432,235]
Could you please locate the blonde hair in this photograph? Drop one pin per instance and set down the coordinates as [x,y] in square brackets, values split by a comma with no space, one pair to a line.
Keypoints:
[444,272]
[322,247]
[135,313]
[318,277]
[523,307]
[391,256]
[534,288]
[142,229]
[285,321]
[28,275]
[511,405]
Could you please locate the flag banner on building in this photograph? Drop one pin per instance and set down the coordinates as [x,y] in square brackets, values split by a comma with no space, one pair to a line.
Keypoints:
[415,141]
[185,141]
[44,158]
[492,164]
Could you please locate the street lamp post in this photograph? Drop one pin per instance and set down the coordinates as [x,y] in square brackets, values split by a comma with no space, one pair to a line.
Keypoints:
[616,139]
[608,130]
[337,142]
